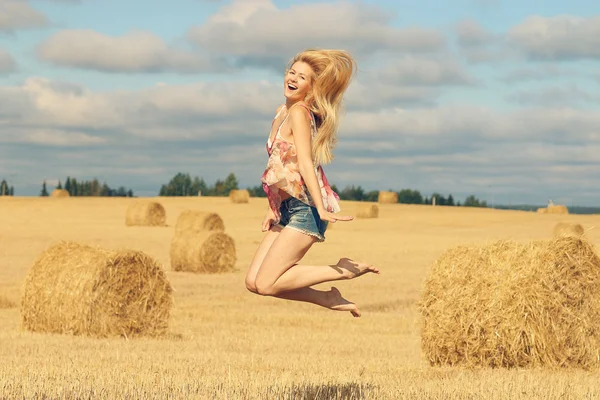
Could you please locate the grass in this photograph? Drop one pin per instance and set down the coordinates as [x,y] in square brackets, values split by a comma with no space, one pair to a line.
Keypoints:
[227,343]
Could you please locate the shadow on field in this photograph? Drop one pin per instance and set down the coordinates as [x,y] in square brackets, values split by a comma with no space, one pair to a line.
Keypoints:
[345,391]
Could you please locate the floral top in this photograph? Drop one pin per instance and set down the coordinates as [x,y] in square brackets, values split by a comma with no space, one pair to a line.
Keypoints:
[282,173]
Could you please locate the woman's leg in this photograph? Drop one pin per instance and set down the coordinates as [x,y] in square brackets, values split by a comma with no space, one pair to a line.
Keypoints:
[276,274]
[331,299]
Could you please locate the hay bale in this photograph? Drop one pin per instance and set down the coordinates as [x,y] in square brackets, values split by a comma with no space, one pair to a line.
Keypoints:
[146,213]
[197,221]
[59,193]
[387,197]
[568,229]
[203,252]
[239,196]
[542,210]
[557,209]
[6,302]
[514,305]
[367,211]
[82,290]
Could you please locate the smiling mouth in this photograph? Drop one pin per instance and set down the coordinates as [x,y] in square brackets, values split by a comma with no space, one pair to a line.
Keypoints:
[291,87]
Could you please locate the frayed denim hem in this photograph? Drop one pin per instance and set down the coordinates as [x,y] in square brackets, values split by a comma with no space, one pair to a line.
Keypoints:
[320,238]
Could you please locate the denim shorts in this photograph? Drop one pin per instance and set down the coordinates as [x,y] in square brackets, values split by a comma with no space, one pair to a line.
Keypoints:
[303,218]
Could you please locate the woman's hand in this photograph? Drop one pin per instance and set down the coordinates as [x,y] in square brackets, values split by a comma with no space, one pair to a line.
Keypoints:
[331,217]
[268,221]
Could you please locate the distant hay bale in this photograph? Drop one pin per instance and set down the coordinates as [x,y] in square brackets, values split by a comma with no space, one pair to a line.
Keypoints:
[190,220]
[568,229]
[557,209]
[387,197]
[542,210]
[5,302]
[146,213]
[367,211]
[83,290]
[514,305]
[203,252]
[59,193]
[239,196]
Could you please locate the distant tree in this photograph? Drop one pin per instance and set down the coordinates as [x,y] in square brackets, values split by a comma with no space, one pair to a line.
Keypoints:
[408,196]
[68,185]
[472,201]
[130,193]
[335,189]
[450,201]
[44,191]
[59,186]
[352,193]
[74,188]
[11,191]
[4,189]
[257,191]
[373,195]
[231,183]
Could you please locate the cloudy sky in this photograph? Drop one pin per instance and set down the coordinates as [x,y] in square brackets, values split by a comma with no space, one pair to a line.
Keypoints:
[497,98]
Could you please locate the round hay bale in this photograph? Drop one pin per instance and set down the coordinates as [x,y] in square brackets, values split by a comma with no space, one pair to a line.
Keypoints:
[542,210]
[557,209]
[203,252]
[387,197]
[146,213]
[82,290]
[514,305]
[568,229]
[59,193]
[239,196]
[197,221]
[367,211]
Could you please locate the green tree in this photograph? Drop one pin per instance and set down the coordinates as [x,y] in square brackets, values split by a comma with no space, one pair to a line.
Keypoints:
[11,191]
[450,200]
[44,192]
[373,195]
[408,196]
[257,191]
[74,188]
[59,186]
[352,193]
[231,183]
[472,201]
[68,185]
[4,189]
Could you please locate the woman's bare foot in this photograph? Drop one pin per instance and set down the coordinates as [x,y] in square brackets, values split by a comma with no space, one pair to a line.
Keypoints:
[353,269]
[338,303]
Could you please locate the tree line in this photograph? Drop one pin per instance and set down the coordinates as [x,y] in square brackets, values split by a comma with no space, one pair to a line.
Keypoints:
[5,189]
[182,184]
[88,188]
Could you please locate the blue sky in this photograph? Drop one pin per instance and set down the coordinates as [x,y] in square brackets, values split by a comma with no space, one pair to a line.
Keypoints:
[488,97]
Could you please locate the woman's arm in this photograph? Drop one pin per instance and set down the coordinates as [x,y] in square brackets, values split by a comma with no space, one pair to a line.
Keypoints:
[301,132]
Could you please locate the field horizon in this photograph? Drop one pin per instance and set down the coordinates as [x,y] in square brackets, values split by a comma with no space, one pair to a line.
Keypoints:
[225,342]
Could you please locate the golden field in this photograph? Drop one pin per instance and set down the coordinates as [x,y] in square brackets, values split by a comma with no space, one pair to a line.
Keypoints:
[227,343]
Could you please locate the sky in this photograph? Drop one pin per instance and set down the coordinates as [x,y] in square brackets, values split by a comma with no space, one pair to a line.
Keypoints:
[495,98]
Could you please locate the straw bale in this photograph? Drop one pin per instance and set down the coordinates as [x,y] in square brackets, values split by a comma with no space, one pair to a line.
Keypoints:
[514,305]
[203,252]
[82,290]
[367,211]
[387,197]
[196,221]
[146,213]
[568,229]
[59,193]
[557,209]
[239,196]
[542,210]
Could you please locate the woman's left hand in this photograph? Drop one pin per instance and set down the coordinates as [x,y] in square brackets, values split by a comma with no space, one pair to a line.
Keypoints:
[331,217]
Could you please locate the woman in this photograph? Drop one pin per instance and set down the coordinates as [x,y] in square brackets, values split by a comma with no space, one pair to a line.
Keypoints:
[301,202]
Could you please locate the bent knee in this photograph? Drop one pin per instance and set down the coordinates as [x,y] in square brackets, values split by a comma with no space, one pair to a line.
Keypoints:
[265,289]
[251,285]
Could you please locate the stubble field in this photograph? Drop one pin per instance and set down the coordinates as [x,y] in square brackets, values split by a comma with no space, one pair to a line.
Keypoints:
[227,343]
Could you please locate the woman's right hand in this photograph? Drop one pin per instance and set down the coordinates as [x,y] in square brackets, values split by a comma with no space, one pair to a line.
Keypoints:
[268,221]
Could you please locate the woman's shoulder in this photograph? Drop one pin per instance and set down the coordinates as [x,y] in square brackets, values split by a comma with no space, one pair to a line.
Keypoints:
[301,109]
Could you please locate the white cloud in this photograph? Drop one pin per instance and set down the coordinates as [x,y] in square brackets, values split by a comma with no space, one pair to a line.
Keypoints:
[135,51]
[259,33]
[417,71]
[7,62]
[555,96]
[61,138]
[472,33]
[18,14]
[558,38]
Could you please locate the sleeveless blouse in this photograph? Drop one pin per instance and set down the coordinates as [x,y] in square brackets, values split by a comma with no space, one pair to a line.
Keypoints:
[282,173]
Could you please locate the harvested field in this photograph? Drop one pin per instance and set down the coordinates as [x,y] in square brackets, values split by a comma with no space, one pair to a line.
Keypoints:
[224,342]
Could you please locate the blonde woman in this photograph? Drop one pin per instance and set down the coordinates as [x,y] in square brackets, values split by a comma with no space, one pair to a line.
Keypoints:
[301,202]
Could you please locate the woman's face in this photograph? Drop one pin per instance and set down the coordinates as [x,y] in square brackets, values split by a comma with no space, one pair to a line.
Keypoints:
[297,81]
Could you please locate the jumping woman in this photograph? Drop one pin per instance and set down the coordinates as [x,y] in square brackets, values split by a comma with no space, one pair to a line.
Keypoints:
[301,202]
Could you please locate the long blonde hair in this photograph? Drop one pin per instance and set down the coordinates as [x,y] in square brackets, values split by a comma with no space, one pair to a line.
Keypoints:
[333,71]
